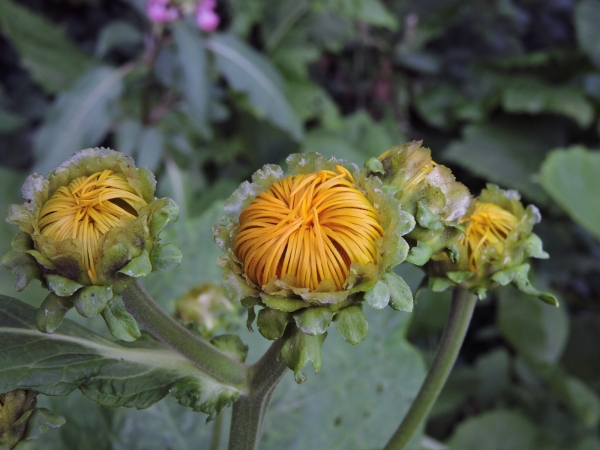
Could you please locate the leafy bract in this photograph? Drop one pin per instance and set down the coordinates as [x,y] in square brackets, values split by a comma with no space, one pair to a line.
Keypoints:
[111,374]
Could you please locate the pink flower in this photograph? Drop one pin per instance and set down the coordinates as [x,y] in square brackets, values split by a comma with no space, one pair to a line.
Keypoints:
[159,12]
[206,18]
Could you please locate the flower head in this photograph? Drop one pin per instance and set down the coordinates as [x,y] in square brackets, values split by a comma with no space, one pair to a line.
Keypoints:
[498,241]
[309,248]
[161,11]
[206,17]
[430,193]
[87,231]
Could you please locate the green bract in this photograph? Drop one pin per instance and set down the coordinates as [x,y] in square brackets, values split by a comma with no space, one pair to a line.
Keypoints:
[21,422]
[492,265]
[127,251]
[430,193]
[301,316]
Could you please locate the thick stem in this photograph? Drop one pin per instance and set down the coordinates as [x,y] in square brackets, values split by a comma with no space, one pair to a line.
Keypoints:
[461,311]
[167,330]
[249,411]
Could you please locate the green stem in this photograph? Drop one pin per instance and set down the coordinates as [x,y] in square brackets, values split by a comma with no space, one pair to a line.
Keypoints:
[461,311]
[167,330]
[215,441]
[249,410]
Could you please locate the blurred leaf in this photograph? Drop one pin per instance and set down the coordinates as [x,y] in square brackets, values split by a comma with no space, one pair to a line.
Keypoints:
[587,18]
[582,354]
[536,330]
[115,34]
[150,151]
[571,178]
[249,71]
[335,408]
[113,374]
[127,136]
[51,59]
[436,105]
[531,96]
[79,117]
[507,152]
[496,430]
[372,12]
[310,101]
[191,57]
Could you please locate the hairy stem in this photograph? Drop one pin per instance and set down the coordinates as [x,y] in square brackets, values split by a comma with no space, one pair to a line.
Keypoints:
[249,410]
[167,330]
[461,311]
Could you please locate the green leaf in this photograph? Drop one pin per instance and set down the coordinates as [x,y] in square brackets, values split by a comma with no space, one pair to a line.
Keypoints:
[165,257]
[569,176]
[459,276]
[79,117]
[52,312]
[115,34]
[537,331]
[495,430]
[61,286]
[23,266]
[299,348]
[314,320]
[508,152]
[115,375]
[282,303]
[427,219]
[231,345]
[191,58]
[40,422]
[419,254]
[379,296]
[248,71]
[120,323]
[139,266]
[401,298]
[151,148]
[90,300]
[533,96]
[352,324]
[271,322]
[51,59]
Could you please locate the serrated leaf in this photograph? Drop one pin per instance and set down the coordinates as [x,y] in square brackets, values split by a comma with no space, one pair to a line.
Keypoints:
[90,300]
[139,266]
[419,254]
[120,323]
[401,298]
[40,421]
[299,348]
[379,296]
[314,320]
[112,374]
[271,323]
[248,71]
[51,59]
[79,117]
[570,176]
[351,323]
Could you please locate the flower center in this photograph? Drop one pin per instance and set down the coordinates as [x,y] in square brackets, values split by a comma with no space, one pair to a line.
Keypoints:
[311,227]
[87,209]
[490,226]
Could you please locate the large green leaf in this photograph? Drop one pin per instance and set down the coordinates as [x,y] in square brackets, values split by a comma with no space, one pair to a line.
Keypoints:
[357,399]
[248,71]
[571,178]
[51,59]
[112,374]
[536,330]
[508,152]
[79,117]
[496,430]
[587,17]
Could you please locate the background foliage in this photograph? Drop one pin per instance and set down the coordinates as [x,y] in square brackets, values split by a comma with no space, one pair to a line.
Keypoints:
[506,91]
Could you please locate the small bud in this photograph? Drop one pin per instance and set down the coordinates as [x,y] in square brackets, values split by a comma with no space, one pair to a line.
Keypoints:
[310,245]
[497,243]
[429,192]
[88,230]
[21,421]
